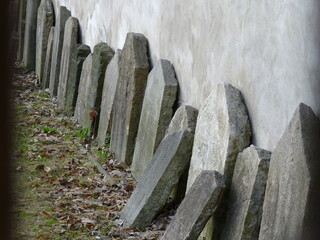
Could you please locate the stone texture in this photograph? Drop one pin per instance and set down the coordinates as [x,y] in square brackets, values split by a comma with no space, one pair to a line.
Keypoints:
[47,62]
[90,87]
[108,94]
[29,48]
[21,27]
[62,18]
[134,68]
[223,130]
[196,208]
[156,114]
[44,24]
[155,185]
[289,206]
[244,210]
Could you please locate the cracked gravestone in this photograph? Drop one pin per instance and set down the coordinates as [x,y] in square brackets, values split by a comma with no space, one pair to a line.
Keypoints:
[289,205]
[222,131]
[62,18]
[90,87]
[200,203]
[47,62]
[156,114]
[21,27]
[246,195]
[44,24]
[155,185]
[108,95]
[134,68]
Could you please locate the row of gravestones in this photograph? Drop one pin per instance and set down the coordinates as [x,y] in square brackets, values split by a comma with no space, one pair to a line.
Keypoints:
[238,191]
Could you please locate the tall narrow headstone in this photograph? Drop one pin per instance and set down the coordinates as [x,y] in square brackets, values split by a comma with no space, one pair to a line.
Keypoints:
[291,204]
[134,68]
[62,18]
[47,62]
[223,130]
[29,49]
[108,94]
[44,24]
[21,27]
[156,114]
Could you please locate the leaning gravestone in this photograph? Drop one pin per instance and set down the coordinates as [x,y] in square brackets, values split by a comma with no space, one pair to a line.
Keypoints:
[21,27]
[90,87]
[196,208]
[108,94]
[246,196]
[155,185]
[289,204]
[223,130]
[134,68]
[47,62]
[156,113]
[44,24]
[62,18]
[29,48]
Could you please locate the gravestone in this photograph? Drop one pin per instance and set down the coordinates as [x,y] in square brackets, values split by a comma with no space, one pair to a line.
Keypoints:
[156,114]
[196,208]
[244,210]
[155,185]
[44,24]
[291,203]
[134,68]
[90,87]
[29,48]
[21,27]
[47,62]
[108,94]
[62,18]
[223,130]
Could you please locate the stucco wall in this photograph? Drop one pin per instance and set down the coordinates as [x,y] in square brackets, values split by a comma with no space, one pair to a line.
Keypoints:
[270,50]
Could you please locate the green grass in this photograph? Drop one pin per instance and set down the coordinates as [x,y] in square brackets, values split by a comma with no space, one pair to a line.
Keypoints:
[80,132]
[47,129]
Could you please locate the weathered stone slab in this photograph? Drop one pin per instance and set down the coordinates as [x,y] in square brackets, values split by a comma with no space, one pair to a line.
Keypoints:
[155,185]
[244,210]
[223,130]
[156,114]
[289,206]
[196,208]
[47,62]
[134,68]
[90,88]
[108,94]
[29,48]
[61,20]
[44,24]
[21,27]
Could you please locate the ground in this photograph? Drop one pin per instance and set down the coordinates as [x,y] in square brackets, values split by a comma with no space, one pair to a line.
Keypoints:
[59,193]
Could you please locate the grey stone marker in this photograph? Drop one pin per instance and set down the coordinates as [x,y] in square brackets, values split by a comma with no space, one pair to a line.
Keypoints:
[156,114]
[223,130]
[21,27]
[44,24]
[47,62]
[244,210]
[108,94]
[134,68]
[29,48]
[155,185]
[62,18]
[289,204]
[196,208]
[90,87]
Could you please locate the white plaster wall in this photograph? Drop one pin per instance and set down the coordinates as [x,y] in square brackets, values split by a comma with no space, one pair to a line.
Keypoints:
[270,50]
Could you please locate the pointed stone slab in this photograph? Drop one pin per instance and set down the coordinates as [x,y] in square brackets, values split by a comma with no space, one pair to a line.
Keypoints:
[62,18]
[90,88]
[44,24]
[293,178]
[108,94]
[47,62]
[155,185]
[156,114]
[244,210]
[196,208]
[21,27]
[223,130]
[134,68]
[29,48]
